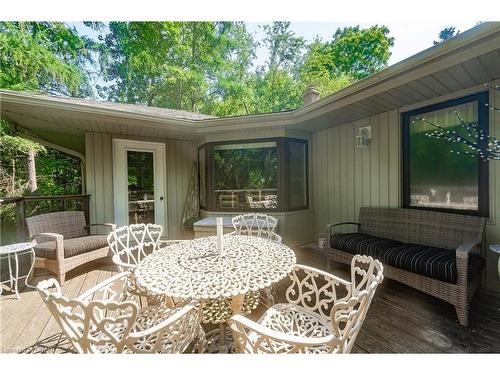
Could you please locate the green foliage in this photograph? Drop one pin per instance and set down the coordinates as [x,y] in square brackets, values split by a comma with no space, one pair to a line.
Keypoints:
[182,65]
[316,71]
[277,87]
[446,33]
[357,52]
[44,56]
[246,168]
[58,173]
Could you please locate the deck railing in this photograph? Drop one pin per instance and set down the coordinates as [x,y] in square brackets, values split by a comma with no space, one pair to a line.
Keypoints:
[35,205]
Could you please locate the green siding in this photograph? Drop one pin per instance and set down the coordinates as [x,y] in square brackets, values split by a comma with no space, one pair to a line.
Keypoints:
[180,156]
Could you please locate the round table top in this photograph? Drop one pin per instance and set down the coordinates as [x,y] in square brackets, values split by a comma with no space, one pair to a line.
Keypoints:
[495,248]
[195,270]
[16,247]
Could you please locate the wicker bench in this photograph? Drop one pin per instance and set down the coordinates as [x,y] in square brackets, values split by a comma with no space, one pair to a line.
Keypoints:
[64,241]
[437,253]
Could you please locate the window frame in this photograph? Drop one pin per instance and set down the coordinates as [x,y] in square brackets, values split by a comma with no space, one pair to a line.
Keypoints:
[482,98]
[282,177]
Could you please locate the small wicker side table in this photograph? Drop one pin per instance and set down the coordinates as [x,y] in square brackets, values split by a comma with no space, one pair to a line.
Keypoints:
[12,253]
[496,249]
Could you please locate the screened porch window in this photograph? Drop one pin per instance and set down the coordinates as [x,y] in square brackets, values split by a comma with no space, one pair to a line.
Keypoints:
[254,175]
[246,175]
[435,176]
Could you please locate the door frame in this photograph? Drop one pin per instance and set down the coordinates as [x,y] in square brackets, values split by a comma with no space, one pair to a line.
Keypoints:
[120,191]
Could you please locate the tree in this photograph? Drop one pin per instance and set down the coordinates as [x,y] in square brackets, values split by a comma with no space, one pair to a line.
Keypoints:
[358,53]
[315,71]
[16,172]
[276,83]
[44,56]
[446,33]
[173,64]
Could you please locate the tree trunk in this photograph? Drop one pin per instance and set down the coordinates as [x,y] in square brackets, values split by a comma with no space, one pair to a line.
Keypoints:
[30,164]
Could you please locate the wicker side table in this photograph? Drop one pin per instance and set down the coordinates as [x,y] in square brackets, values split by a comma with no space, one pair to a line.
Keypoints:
[11,254]
[496,249]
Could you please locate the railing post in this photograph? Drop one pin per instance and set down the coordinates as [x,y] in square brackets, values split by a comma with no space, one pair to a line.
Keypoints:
[86,208]
[20,216]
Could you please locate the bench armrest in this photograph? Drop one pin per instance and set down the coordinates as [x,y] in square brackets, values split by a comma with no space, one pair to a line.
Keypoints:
[54,236]
[330,226]
[465,249]
[58,238]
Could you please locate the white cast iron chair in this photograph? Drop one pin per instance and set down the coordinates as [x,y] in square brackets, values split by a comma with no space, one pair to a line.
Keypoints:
[259,225]
[324,313]
[106,319]
[130,244]
[256,224]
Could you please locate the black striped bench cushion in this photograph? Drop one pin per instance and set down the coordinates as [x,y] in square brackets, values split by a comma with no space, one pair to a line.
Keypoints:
[434,262]
[358,243]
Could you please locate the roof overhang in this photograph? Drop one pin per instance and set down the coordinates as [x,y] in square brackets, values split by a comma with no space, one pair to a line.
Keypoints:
[465,62]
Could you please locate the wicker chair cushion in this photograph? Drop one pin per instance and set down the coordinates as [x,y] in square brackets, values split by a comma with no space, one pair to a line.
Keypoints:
[358,243]
[72,246]
[434,262]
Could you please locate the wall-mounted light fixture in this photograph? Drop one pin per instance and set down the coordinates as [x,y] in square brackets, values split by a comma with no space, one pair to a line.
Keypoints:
[364,137]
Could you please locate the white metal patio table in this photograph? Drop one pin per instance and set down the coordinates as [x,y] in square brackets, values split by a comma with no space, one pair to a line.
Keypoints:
[196,270]
[12,253]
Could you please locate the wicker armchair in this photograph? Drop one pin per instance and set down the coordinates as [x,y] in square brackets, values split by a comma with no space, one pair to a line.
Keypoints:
[64,241]
[324,313]
[106,319]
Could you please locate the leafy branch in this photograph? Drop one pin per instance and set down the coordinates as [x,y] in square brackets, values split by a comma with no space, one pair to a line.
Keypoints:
[480,145]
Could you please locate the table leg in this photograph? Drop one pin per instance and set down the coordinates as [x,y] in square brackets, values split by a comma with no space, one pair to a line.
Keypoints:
[33,256]
[236,306]
[237,303]
[16,279]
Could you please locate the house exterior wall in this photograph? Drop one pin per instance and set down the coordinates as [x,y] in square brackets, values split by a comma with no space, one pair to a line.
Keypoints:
[346,178]
[180,156]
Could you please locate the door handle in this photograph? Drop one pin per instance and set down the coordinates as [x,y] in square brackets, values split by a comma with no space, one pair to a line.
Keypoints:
[161,198]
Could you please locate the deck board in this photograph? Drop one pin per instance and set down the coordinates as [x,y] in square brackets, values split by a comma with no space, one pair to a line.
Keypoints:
[400,319]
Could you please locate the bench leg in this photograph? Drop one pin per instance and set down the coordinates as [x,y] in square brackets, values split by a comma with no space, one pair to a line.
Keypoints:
[328,260]
[61,278]
[463,315]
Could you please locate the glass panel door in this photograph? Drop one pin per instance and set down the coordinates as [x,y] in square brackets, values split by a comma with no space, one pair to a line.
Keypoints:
[139,182]
[141,194]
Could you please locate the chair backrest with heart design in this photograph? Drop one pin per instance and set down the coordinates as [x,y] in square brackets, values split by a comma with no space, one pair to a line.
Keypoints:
[131,243]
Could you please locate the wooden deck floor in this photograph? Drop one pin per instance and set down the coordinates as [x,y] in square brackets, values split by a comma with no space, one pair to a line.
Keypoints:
[400,319]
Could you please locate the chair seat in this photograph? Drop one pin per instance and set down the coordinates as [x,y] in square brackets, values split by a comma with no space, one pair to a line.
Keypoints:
[148,317]
[72,246]
[296,321]
[434,262]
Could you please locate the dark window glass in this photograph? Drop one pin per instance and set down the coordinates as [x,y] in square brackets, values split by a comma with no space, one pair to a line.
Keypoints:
[436,177]
[297,175]
[246,175]
[141,203]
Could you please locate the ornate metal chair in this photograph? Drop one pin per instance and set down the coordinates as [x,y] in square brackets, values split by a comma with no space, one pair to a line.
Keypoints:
[259,225]
[324,313]
[130,244]
[106,319]
[256,224]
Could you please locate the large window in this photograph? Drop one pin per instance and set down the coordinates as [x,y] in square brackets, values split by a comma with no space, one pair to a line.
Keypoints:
[438,174]
[254,175]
